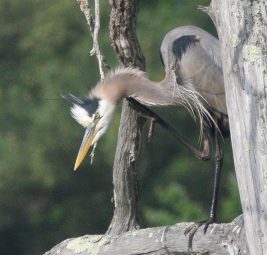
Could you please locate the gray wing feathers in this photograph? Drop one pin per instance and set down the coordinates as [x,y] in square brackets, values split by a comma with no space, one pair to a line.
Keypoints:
[194,55]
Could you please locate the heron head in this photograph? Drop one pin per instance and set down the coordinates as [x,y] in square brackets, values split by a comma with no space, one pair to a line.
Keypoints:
[94,115]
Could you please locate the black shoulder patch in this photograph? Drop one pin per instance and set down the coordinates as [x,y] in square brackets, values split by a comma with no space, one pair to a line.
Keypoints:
[89,104]
[181,44]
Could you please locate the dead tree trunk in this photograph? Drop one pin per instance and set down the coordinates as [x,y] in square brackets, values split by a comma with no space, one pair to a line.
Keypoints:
[124,41]
[242,29]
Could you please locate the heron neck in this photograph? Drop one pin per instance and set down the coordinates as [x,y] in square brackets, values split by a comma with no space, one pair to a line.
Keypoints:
[133,83]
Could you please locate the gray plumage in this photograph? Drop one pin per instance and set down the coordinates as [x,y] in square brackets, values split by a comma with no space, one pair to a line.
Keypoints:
[200,64]
[193,79]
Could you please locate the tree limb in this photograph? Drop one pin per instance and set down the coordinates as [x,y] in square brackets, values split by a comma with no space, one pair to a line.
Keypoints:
[94,26]
[220,239]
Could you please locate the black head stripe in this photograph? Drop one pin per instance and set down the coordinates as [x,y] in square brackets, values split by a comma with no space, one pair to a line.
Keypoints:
[181,44]
[72,99]
[89,104]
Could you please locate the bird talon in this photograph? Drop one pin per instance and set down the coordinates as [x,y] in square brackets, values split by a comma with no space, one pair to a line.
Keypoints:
[207,223]
[206,227]
[191,230]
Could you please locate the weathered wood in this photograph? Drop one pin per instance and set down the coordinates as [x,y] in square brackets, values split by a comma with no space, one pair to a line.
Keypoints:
[242,29]
[125,43]
[220,239]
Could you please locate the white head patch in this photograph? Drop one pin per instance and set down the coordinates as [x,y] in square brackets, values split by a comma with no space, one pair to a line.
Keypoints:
[81,115]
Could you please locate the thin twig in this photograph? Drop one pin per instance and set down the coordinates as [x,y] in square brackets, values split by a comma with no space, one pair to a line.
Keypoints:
[94,26]
[96,29]
[84,6]
[96,50]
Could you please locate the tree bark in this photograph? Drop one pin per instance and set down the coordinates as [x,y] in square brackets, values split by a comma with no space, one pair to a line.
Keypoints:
[125,43]
[221,239]
[242,29]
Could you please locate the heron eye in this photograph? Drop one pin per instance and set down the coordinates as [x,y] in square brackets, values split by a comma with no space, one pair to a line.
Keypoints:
[97,115]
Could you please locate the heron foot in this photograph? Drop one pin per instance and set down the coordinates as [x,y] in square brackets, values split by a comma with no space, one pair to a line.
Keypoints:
[191,230]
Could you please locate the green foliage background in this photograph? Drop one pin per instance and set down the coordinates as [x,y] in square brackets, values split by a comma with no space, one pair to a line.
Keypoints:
[44,52]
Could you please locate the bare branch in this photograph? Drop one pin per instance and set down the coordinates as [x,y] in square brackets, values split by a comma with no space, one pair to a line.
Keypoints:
[94,26]
[84,6]
[96,29]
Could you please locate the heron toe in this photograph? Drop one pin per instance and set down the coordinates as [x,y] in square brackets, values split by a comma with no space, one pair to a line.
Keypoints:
[191,230]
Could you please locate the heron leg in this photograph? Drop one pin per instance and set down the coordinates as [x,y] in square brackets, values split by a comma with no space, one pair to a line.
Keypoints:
[154,118]
[204,155]
[146,113]
[191,230]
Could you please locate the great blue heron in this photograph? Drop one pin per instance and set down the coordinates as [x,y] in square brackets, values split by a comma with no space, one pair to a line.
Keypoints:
[193,79]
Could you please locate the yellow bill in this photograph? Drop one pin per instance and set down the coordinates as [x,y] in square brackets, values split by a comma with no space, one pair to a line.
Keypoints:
[88,138]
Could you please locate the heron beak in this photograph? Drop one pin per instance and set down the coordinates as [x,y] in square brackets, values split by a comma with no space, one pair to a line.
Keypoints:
[88,138]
